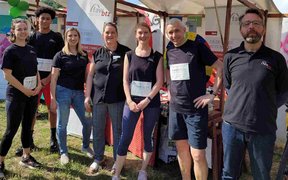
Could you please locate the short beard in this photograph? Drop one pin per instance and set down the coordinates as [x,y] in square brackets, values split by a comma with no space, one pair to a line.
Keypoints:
[253,39]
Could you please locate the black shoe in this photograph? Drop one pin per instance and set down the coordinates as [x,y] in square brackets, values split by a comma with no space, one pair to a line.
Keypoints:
[2,168]
[29,162]
[19,152]
[54,145]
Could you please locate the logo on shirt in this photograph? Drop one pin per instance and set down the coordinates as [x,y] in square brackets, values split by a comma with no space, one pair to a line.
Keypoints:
[268,66]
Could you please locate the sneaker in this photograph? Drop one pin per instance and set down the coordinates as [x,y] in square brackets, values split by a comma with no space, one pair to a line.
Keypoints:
[95,167]
[2,167]
[54,145]
[29,162]
[115,178]
[64,159]
[89,152]
[19,152]
[142,175]
[113,170]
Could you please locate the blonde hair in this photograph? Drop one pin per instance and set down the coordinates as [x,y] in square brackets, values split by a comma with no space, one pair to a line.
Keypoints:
[12,36]
[66,49]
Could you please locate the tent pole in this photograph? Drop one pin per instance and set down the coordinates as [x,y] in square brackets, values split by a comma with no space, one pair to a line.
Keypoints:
[225,46]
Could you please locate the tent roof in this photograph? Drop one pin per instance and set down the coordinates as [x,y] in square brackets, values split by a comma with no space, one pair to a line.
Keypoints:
[197,6]
[184,6]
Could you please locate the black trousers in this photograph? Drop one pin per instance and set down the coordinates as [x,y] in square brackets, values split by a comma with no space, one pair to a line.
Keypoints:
[17,112]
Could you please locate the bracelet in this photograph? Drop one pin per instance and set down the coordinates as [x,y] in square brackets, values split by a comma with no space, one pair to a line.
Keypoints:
[212,92]
[149,98]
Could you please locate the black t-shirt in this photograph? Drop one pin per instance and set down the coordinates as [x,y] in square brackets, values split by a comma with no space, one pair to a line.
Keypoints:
[108,77]
[143,69]
[23,63]
[193,57]
[46,45]
[253,81]
[72,70]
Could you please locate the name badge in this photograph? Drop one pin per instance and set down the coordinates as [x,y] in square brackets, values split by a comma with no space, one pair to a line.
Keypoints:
[140,88]
[44,64]
[116,57]
[30,82]
[179,72]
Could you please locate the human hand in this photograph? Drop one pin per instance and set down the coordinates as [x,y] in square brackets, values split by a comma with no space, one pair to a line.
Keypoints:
[87,104]
[37,89]
[202,101]
[45,81]
[133,106]
[143,104]
[28,92]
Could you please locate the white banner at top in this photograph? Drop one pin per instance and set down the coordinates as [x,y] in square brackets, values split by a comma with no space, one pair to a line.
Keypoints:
[89,17]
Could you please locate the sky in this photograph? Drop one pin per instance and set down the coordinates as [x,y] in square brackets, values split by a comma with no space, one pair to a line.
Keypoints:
[282,5]
[133,1]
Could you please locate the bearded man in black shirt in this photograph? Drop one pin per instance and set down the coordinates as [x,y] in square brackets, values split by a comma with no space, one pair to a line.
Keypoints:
[254,76]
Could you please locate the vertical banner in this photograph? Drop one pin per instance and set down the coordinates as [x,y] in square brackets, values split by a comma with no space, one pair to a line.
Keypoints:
[89,17]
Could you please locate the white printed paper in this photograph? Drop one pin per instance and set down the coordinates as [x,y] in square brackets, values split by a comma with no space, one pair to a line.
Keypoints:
[140,88]
[179,72]
[30,82]
[44,64]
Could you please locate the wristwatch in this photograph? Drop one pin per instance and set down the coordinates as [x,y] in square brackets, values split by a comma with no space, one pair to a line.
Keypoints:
[212,92]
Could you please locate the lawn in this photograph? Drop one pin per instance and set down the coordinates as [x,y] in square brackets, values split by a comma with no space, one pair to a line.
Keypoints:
[79,163]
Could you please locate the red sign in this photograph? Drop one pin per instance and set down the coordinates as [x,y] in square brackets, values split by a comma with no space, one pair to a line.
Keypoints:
[211,33]
[72,23]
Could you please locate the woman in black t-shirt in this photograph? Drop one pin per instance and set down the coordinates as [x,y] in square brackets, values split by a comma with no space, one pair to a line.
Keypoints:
[142,80]
[67,89]
[106,77]
[20,70]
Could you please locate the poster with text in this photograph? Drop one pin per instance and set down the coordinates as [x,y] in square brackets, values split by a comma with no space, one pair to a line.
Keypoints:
[89,17]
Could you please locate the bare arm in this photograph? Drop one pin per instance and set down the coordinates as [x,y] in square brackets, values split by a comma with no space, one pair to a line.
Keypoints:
[15,83]
[89,81]
[54,77]
[126,85]
[168,81]
[202,101]
[39,85]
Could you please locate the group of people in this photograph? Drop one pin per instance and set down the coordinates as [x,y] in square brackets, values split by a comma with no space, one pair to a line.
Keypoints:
[124,83]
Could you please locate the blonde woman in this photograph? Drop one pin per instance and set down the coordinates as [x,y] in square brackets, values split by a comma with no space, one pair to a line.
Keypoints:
[67,89]
[20,70]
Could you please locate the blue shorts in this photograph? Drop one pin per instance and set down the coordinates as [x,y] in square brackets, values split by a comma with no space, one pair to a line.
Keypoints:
[192,127]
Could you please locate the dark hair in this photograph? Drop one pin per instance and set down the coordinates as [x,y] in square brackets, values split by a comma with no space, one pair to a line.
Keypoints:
[252,11]
[110,24]
[142,24]
[47,10]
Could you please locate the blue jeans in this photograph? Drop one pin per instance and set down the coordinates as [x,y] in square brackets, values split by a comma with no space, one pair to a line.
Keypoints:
[260,148]
[129,121]
[100,110]
[65,98]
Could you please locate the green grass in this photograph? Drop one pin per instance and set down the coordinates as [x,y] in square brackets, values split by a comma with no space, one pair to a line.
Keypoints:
[79,163]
